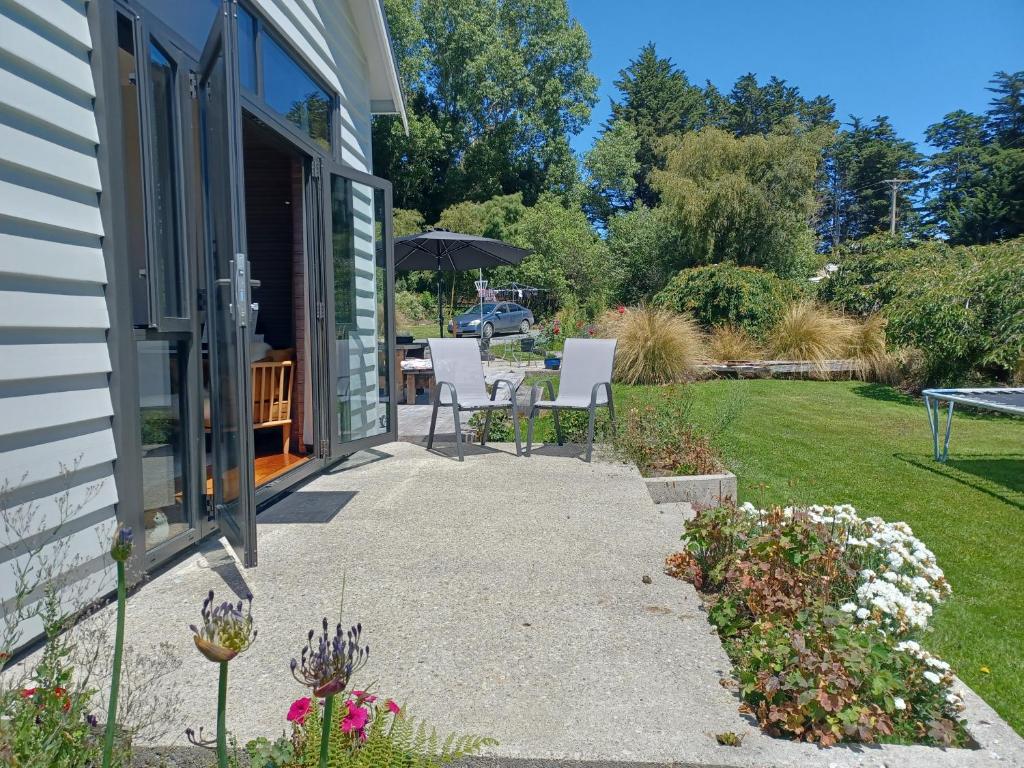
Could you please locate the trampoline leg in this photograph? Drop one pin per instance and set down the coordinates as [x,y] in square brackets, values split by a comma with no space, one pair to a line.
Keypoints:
[930,408]
[949,428]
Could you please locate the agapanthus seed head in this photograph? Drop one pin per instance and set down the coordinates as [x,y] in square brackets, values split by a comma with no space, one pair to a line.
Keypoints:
[226,631]
[328,662]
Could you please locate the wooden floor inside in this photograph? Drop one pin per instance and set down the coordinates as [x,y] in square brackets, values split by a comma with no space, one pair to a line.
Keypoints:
[266,468]
[274,465]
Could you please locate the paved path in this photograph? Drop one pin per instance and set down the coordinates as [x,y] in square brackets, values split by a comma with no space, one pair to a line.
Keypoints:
[501,595]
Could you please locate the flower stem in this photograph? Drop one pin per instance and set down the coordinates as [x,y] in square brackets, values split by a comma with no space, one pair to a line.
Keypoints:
[325,734]
[115,675]
[222,707]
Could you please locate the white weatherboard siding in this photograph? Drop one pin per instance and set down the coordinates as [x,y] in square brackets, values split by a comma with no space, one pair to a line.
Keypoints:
[55,404]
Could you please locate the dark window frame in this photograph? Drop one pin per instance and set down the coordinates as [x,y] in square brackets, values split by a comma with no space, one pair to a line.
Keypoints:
[145,34]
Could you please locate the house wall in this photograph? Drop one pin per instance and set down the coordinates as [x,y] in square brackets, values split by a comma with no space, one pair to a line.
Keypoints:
[57,445]
[56,442]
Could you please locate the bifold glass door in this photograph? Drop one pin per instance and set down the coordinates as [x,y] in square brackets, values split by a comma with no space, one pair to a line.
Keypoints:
[228,290]
[359,282]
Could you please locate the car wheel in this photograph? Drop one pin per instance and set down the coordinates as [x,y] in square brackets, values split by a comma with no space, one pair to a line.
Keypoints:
[488,330]
[524,327]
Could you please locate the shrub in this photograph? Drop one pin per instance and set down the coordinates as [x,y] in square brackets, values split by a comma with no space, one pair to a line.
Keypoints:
[665,437]
[412,308]
[959,305]
[655,346]
[810,333]
[745,297]
[730,342]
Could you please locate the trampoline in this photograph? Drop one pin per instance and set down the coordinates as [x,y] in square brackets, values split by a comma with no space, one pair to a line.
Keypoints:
[1002,399]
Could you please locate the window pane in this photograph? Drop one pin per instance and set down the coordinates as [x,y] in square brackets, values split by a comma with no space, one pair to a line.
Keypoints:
[360,313]
[247,49]
[191,19]
[163,429]
[167,252]
[131,156]
[290,91]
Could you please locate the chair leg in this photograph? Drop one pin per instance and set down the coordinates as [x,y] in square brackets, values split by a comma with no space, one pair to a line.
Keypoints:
[515,429]
[590,432]
[558,427]
[458,429]
[433,423]
[487,427]
[611,418]
[529,431]
[286,437]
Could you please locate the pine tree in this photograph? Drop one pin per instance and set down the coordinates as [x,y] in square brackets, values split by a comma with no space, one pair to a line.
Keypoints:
[657,99]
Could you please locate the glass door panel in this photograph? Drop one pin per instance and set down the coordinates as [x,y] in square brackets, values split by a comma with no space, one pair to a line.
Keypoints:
[228,315]
[360,279]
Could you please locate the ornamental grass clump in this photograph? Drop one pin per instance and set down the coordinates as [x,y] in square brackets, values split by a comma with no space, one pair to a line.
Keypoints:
[810,333]
[867,349]
[732,343]
[655,346]
[819,609]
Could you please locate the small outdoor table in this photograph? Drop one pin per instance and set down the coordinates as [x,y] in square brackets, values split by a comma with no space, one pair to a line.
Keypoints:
[417,373]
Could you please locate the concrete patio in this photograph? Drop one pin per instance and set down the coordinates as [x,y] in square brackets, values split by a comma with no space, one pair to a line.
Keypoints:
[502,596]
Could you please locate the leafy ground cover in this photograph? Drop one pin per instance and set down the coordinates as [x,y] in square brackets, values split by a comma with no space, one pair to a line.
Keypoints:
[803,442]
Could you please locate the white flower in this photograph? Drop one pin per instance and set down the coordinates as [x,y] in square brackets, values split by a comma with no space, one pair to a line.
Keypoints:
[863,613]
[932,677]
[899,703]
[848,607]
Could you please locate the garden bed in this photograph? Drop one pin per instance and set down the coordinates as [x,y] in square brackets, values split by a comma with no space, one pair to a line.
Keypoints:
[700,490]
[821,613]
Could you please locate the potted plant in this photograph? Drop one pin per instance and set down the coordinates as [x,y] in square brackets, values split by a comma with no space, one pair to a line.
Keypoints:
[549,333]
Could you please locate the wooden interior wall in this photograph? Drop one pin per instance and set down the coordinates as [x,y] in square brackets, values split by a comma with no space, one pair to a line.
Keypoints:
[269,235]
[298,259]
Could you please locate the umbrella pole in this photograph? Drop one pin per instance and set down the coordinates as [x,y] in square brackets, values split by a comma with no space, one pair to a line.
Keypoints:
[440,309]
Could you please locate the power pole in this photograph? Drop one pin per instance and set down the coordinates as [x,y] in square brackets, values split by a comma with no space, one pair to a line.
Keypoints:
[894,185]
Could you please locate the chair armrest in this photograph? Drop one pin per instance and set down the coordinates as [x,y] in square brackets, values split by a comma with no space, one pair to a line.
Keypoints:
[597,388]
[512,388]
[437,391]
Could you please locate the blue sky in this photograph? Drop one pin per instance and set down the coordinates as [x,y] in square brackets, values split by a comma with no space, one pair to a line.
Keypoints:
[913,60]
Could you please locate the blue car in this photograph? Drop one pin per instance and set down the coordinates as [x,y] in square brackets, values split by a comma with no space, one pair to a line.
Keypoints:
[503,317]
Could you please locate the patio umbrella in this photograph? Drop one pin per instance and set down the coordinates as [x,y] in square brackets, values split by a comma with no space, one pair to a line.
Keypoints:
[446,251]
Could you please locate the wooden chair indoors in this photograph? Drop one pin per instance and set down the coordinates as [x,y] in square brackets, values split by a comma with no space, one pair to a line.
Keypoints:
[272,384]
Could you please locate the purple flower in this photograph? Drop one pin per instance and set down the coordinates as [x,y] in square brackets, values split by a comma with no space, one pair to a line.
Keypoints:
[226,630]
[121,547]
[327,666]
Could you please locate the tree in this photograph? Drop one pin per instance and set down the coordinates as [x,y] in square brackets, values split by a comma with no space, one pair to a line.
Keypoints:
[976,178]
[612,168]
[643,252]
[1006,110]
[494,88]
[856,196]
[657,100]
[747,200]
[751,108]
[568,258]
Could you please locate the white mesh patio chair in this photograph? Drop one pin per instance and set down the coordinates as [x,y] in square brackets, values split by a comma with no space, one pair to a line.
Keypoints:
[460,385]
[584,385]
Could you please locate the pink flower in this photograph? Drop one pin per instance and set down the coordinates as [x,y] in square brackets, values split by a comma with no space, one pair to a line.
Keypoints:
[393,707]
[620,309]
[299,709]
[355,720]
[362,696]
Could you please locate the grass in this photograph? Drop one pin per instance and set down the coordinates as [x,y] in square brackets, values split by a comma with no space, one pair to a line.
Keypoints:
[869,445]
[422,331]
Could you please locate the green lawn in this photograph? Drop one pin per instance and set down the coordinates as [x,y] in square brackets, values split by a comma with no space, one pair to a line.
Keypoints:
[869,445]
